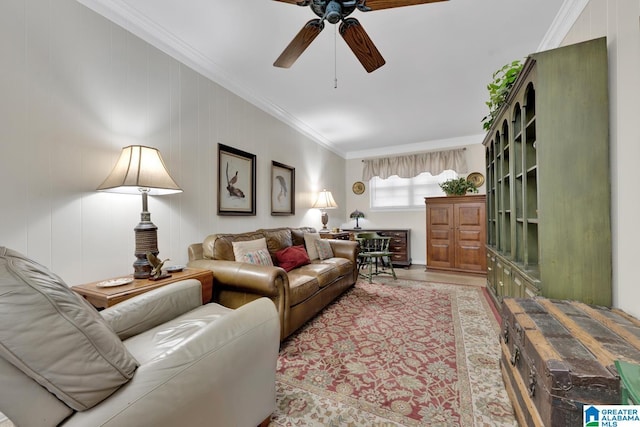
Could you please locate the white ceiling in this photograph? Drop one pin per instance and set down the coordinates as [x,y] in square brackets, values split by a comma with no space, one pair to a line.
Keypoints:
[430,93]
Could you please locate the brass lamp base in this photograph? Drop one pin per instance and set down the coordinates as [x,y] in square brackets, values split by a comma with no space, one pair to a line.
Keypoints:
[325,220]
[146,241]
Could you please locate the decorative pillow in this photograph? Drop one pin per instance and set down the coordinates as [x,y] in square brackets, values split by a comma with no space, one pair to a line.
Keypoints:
[57,338]
[310,243]
[324,249]
[292,257]
[244,247]
[259,257]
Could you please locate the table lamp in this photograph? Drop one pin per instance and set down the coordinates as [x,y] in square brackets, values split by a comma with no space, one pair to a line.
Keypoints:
[325,201]
[357,215]
[141,170]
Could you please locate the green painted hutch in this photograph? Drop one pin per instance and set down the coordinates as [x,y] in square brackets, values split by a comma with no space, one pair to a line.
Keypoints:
[548,181]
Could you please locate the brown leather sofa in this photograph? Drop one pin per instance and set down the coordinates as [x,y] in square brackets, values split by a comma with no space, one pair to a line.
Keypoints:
[298,294]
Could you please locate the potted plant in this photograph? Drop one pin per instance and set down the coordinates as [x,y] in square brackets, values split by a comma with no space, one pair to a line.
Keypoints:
[458,187]
[503,80]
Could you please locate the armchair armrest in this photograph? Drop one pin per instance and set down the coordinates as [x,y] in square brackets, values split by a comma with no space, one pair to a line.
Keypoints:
[221,372]
[153,308]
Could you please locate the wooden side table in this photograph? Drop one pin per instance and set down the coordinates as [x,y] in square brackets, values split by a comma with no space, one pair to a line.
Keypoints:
[107,297]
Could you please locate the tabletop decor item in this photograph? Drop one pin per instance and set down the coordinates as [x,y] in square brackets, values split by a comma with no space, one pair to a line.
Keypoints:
[114,282]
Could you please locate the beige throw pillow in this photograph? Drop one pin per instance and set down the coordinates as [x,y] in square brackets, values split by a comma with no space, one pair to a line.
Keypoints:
[240,249]
[310,244]
[324,249]
[259,257]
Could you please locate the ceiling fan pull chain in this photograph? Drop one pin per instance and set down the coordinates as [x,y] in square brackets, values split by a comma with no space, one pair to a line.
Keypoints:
[335,57]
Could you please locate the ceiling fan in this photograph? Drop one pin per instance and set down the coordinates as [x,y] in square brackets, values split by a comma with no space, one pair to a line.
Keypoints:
[351,31]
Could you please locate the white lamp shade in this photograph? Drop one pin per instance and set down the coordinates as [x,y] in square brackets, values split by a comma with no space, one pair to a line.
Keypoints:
[140,167]
[325,201]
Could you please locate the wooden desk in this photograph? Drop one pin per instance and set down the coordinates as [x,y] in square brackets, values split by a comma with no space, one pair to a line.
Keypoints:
[341,235]
[107,297]
[400,245]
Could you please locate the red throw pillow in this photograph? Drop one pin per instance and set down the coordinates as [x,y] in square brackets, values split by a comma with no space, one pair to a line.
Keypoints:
[292,257]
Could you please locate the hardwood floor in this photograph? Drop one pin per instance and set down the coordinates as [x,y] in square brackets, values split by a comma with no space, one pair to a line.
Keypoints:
[418,272]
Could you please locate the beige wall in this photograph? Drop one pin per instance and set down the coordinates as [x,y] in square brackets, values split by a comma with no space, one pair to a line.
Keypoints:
[412,219]
[619,21]
[74,89]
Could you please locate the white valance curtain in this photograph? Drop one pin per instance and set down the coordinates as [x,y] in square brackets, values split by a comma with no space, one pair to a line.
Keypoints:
[414,164]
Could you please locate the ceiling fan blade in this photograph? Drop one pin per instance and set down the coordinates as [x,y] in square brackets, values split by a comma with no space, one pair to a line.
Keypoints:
[388,4]
[298,2]
[361,45]
[299,43]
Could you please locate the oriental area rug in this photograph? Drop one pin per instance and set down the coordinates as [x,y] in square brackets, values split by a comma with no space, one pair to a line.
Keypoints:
[395,353]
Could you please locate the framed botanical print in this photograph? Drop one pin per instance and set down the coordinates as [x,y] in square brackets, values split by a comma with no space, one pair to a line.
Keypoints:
[236,181]
[283,188]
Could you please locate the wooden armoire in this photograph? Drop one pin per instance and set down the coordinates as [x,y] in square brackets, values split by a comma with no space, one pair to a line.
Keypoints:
[456,233]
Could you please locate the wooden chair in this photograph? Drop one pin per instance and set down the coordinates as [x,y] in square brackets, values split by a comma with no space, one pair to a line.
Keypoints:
[374,255]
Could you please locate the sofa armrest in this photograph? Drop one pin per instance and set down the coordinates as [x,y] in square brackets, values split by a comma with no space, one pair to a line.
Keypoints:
[195,251]
[258,279]
[345,249]
[153,308]
[237,283]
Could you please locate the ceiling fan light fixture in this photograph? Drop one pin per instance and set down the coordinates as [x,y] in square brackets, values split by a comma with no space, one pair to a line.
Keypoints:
[333,12]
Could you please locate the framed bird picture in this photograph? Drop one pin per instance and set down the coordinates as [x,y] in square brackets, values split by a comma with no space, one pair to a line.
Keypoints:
[283,186]
[236,181]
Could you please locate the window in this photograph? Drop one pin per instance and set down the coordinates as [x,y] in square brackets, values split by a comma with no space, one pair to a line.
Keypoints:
[406,193]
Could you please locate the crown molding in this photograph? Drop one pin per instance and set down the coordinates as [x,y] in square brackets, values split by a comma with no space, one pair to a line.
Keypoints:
[563,22]
[129,18]
[418,147]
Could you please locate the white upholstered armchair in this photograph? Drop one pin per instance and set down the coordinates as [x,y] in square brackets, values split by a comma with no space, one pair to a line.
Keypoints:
[158,359]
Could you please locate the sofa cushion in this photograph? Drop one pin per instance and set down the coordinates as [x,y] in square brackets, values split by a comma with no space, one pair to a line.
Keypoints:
[310,243]
[343,265]
[324,249]
[292,257]
[277,239]
[55,337]
[259,257]
[220,246]
[297,234]
[301,287]
[244,247]
[325,273]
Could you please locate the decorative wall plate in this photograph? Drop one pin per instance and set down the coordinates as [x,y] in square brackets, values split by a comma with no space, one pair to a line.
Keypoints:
[476,178]
[358,187]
